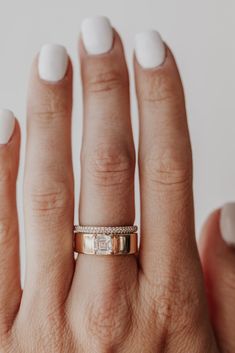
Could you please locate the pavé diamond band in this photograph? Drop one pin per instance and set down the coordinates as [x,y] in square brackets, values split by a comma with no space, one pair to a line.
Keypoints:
[106,230]
[106,242]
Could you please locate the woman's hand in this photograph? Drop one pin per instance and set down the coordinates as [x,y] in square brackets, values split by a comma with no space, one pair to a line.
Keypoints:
[153,302]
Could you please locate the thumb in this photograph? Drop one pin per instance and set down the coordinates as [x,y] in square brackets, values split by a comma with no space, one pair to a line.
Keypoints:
[217,251]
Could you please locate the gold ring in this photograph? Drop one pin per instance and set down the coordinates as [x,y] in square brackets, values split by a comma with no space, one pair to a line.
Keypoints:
[105,244]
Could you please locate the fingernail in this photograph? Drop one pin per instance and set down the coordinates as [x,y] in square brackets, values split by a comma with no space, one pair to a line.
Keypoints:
[227,223]
[7,125]
[149,49]
[97,35]
[53,62]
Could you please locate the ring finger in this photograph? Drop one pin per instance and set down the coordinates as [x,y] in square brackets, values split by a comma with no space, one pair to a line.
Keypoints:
[107,159]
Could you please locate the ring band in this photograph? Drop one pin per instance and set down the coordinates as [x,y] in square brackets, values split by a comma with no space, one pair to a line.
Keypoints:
[106,244]
[105,230]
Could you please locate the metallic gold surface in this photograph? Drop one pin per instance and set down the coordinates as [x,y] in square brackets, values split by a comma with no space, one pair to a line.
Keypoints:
[106,244]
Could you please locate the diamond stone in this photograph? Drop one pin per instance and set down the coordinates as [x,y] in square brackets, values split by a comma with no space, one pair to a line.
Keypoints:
[103,244]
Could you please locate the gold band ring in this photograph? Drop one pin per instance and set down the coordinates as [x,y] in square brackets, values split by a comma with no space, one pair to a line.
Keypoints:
[106,244]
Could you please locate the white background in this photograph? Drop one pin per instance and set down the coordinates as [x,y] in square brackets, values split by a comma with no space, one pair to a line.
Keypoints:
[202,36]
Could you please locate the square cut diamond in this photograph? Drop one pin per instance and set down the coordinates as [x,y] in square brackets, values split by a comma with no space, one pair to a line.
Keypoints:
[103,244]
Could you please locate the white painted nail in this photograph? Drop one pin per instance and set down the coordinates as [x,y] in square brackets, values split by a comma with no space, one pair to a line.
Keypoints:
[97,35]
[7,125]
[227,223]
[53,62]
[149,49]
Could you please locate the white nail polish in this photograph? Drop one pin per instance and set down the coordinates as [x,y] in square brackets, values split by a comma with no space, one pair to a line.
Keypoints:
[7,125]
[97,35]
[149,49]
[227,223]
[53,62]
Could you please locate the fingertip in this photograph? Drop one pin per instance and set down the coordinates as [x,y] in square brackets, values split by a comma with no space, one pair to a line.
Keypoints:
[51,66]
[158,83]
[152,54]
[150,50]
[217,255]
[218,232]
[52,63]
[16,136]
[7,125]
[104,72]
[9,146]
[115,49]
[227,224]
[9,128]
[97,35]
[47,95]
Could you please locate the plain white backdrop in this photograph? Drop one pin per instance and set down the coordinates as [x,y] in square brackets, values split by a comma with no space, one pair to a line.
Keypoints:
[201,35]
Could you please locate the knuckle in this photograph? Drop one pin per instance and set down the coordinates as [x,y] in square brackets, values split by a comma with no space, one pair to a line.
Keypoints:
[52,332]
[109,165]
[158,307]
[162,88]
[44,331]
[47,116]
[106,81]
[49,197]
[54,109]
[169,170]
[42,118]
[173,306]
[109,322]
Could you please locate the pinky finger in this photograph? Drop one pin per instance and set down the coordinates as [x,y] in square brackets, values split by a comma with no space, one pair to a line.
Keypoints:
[10,289]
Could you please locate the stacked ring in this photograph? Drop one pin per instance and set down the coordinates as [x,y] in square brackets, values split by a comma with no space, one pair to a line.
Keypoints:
[106,240]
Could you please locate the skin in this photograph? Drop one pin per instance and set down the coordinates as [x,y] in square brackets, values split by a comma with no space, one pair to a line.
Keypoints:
[157,301]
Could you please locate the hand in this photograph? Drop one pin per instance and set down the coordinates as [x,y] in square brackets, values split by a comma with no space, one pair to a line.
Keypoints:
[153,302]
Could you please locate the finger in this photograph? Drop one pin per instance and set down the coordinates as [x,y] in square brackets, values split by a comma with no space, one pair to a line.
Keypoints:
[10,289]
[164,156]
[217,245]
[107,158]
[107,180]
[48,185]
[169,261]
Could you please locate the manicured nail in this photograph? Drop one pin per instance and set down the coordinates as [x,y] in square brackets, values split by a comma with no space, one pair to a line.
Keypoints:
[53,62]
[7,125]
[227,223]
[97,35]
[149,49]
